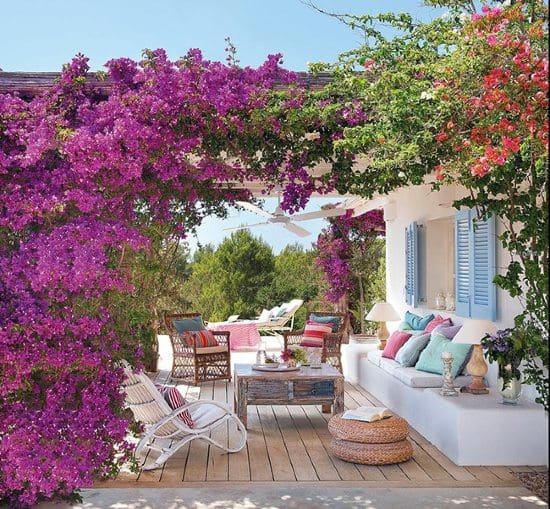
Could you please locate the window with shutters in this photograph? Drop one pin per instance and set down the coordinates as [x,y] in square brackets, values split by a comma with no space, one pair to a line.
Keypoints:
[414,265]
[475,242]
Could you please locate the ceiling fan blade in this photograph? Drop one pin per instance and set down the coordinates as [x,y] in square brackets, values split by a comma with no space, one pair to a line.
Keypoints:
[254,208]
[243,227]
[319,214]
[297,230]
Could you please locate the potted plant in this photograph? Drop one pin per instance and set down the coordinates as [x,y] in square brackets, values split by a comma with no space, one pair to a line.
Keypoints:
[507,348]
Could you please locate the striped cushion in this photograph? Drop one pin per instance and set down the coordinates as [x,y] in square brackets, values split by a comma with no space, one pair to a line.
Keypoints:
[175,400]
[202,338]
[313,334]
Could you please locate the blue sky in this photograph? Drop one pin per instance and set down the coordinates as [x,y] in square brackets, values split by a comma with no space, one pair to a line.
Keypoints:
[42,35]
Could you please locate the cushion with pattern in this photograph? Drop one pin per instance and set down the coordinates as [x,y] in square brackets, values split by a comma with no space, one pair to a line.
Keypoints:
[200,338]
[314,333]
[175,400]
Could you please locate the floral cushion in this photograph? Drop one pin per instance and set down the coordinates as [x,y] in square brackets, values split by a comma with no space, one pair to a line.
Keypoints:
[314,333]
[175,400]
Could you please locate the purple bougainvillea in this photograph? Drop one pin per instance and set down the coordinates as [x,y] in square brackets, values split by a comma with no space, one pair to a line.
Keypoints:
[334,247]
[80,174]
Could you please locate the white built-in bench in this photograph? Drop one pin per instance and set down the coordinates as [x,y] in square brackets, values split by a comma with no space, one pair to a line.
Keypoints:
[468,429]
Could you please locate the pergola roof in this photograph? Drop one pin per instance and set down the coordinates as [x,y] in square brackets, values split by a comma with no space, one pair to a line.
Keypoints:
[29,84]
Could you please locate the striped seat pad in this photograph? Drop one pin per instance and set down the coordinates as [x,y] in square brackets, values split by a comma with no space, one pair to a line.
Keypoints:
[314,333]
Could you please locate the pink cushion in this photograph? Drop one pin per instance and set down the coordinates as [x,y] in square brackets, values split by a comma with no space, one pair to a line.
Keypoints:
[395,342]
[175,400]
[438,320]
[202,338]
[314,333]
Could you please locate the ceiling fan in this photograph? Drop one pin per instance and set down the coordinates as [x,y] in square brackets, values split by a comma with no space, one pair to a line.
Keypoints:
[278,217]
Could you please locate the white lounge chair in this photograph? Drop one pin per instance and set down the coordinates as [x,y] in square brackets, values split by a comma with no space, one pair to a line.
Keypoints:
[165,432]
[281,324]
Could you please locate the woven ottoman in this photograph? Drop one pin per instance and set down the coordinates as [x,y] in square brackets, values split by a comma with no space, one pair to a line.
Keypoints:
[370,443]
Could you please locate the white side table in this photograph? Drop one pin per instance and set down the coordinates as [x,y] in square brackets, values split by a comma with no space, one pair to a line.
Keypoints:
[352,354]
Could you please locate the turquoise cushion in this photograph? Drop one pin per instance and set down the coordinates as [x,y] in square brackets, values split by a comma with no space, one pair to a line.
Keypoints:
[189,324]
[418,322]
[404,326]
[430,359]
[408,354]
[334,321]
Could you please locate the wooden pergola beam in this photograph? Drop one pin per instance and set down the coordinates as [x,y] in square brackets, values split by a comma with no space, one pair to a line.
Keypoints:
[29,84]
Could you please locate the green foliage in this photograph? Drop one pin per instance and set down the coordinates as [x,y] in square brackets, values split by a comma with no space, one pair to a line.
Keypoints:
[230,279]
[294,277]
[368,263]
[436,95]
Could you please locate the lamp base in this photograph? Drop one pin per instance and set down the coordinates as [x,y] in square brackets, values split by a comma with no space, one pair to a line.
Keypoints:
[382,335]
[476,387]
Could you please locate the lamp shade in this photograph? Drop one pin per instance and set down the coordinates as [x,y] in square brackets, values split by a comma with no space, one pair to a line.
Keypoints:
[382,312]
[473,331]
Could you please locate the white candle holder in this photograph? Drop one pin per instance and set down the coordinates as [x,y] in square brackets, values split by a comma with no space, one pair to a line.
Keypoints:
[448,389]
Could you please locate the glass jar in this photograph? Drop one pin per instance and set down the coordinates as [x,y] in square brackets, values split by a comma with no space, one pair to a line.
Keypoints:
[450,302]
[440,301]
[260,353]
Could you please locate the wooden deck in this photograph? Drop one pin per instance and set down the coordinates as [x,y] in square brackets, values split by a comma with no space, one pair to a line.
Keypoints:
[290,444]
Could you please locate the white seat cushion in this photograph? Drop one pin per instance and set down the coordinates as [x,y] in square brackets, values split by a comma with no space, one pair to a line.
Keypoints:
[389,365]
[212,349]
[421,379]
[204,415]
[374,356]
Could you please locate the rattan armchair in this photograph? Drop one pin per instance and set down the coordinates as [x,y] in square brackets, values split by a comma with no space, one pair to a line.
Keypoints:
[332,341]
[193,365]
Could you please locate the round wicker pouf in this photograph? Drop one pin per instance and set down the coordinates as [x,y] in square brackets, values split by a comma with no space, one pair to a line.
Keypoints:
[370,443]
[371,454]
[391,429]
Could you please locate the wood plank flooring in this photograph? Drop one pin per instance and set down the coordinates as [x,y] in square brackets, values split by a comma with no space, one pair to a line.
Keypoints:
[290,444]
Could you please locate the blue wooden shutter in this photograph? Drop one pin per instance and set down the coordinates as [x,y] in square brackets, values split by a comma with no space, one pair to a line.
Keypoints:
[482,288]
[462,262]
[475,242]
[411,261]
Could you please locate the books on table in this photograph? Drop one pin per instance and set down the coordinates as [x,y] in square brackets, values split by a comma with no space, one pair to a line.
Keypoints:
[367,413]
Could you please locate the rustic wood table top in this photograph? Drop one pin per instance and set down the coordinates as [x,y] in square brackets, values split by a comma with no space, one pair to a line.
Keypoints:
[305,372]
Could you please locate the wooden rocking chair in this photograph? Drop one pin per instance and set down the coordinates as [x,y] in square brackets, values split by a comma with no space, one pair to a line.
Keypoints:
[332,341]
[165,432]
[193,365]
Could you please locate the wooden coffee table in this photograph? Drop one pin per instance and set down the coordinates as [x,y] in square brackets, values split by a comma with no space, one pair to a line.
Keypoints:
[307,386]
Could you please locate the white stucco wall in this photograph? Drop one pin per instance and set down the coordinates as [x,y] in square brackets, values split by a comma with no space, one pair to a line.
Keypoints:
[420,204]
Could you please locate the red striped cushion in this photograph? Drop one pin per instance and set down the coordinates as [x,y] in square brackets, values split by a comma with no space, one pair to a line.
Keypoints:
[175,400]
[202,338]
[313,334]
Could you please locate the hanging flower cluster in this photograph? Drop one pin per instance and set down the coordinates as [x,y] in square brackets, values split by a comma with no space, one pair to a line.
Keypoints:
[334,247]
[507,114]
[81,176]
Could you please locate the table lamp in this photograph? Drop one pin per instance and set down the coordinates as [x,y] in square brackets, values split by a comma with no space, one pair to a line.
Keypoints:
[382,312]
[471,333]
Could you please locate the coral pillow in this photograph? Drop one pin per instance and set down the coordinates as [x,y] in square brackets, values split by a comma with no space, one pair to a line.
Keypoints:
[438,320]
[396,341]
[313,334]
[175,400]
[200,338]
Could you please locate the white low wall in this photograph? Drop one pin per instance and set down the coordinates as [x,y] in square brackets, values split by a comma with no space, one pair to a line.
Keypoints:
[468,429]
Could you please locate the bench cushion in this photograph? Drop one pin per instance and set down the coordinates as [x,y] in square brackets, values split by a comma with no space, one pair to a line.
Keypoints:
[419,379]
